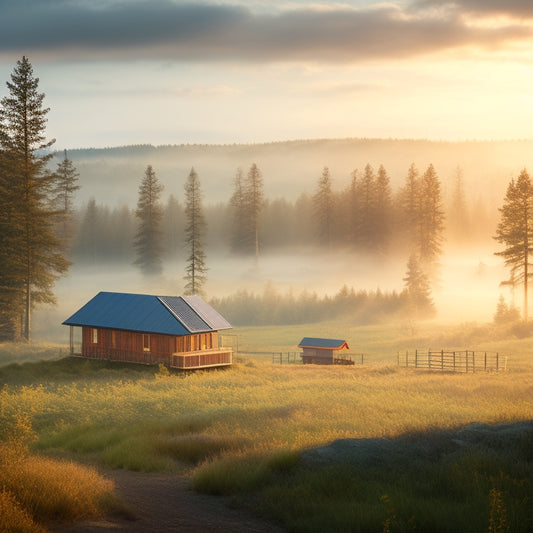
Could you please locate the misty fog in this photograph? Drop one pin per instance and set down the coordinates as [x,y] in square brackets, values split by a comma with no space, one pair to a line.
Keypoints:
[468,290]
[468,285]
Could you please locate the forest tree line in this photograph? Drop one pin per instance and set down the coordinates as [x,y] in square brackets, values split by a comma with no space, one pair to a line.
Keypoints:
[104,233]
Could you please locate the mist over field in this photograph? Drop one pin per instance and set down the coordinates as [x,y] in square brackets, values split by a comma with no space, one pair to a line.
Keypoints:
[467,287]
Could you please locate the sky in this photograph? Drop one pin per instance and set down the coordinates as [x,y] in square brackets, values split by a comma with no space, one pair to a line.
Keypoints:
[121,72]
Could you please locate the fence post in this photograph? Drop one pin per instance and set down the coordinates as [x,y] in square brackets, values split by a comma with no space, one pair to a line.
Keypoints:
[467,361]
[442,359]
[485,361]
[416,358]
[454,361]
[497,361]
[473,361]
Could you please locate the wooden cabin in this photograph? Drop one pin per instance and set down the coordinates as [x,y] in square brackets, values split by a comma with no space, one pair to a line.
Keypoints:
[178,331]
[323,351]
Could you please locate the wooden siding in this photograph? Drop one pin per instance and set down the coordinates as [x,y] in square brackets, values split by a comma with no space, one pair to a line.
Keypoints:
[317,356]
[198,350]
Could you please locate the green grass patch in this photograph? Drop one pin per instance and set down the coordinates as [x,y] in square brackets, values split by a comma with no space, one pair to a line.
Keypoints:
[446,489]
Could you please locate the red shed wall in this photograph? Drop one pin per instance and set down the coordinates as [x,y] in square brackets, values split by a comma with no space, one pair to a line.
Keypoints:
[320,356]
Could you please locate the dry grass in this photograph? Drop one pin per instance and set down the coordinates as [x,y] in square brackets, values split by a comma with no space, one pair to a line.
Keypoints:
[37,490]
[246,423]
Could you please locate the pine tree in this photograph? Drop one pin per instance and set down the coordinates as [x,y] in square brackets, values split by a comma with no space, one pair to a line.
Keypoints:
[505,314]
[367,195]
[458,213]
[237,205]
[409,208]
[195,231]
[515,231]
[254,202]
[36,260]
[354,211]
[63,194]
[148,239]
[417,289]
[323,208]
[431,220]
[383,214]
[11,268]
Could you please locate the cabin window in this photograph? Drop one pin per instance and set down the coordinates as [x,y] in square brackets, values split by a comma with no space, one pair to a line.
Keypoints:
[94,335]
[146,343]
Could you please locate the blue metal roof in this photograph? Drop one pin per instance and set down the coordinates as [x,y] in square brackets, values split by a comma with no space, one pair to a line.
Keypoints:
[167,315]
[314,342]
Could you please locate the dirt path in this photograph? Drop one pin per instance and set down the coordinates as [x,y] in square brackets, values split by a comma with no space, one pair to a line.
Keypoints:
[164,503]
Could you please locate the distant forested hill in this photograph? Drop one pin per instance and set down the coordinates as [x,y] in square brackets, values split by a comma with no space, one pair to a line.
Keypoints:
[112,175]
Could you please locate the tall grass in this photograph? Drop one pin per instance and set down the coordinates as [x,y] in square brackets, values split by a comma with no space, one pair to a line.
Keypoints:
[241,430]
[36,490]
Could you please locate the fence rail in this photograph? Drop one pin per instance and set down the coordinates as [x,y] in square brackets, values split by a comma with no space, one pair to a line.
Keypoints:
[453,361]
[286,358]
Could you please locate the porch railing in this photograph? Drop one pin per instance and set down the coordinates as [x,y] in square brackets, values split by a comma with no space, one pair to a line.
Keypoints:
[202,358]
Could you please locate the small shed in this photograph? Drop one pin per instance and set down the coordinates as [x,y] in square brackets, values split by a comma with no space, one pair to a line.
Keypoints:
[323,351]
[179,331]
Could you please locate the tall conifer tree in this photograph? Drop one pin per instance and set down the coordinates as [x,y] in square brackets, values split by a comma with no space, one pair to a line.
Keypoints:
[323,208]
[254,201]
[237,205]
[148,239]
[63,194]
[383,213]
[409,208]
[36,253]
[431,220]
[418,290]
[354,211]
[515,231]
[195,231]
[367,203]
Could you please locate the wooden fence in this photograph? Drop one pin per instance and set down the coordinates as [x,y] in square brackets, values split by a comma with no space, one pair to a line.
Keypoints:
[453,361]
[287,358]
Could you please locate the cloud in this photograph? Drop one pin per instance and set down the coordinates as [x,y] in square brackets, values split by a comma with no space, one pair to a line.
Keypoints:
[517,9]
[164,29]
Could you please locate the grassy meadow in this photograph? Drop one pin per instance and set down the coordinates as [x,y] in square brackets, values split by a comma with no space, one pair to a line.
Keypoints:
[246,431]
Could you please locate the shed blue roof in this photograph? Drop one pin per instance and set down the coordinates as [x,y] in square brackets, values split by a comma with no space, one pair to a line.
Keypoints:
[167,315]
[314,342]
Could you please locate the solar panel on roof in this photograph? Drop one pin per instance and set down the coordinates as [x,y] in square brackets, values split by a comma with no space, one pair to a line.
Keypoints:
[184,313]
[207,313]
